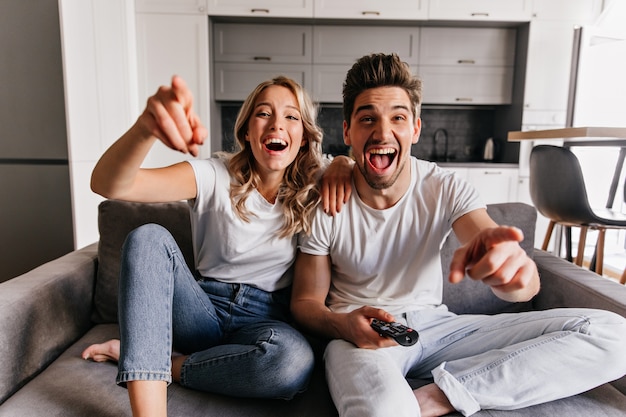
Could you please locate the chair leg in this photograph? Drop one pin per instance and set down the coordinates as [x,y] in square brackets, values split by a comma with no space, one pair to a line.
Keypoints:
[600,249]
[546,239]
[581,245]
[623,279]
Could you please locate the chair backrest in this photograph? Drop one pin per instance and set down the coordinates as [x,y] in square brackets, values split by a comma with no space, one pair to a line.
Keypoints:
[557,187]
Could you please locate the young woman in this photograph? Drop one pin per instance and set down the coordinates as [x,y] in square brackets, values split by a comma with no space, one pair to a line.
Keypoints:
[229,318]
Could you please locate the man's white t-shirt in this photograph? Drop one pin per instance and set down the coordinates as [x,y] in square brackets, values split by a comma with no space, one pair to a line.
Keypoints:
[390,258]
[229,249]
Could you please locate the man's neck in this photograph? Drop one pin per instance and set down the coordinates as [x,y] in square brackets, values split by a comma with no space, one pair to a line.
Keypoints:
[381,199]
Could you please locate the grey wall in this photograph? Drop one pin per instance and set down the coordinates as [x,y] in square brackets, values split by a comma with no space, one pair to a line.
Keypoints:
[35,205]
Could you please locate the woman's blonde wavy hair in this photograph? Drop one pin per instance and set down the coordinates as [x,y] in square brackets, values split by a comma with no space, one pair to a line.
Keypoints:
[299,193]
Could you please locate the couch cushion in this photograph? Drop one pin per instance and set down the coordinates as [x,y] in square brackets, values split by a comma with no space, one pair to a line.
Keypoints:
[72,387]
[115,220]
[471,297]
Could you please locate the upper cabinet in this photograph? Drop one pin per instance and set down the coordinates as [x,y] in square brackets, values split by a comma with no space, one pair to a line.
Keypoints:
[480,10]
[371,9]
[170,6]
[467,65]
[247,54]
[336,49]
[261,8]
[259,43]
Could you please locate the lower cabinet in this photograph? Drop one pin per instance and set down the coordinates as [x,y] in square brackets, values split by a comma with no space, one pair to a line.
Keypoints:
[495,185]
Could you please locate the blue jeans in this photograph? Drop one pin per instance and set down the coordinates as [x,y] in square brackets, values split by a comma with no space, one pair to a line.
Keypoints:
[236,336]
[504,362]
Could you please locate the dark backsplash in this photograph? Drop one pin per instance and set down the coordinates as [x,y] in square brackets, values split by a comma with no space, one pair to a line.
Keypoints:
[467,129]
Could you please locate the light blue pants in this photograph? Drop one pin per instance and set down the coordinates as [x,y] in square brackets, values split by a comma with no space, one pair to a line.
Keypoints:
[504,362]
[236,336]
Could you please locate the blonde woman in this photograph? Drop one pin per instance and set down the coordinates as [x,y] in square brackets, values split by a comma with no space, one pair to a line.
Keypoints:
[229,318]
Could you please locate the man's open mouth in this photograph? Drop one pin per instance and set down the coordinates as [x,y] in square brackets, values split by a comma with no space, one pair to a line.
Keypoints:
[382,158]
[275,145]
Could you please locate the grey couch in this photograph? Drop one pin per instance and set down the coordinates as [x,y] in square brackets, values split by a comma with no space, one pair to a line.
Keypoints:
[49,315]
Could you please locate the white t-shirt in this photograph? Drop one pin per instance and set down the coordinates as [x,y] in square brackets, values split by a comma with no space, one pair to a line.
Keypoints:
[229,249]
[390,258]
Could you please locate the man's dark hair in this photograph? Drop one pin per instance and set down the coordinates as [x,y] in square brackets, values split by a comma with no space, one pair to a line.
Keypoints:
[380,70]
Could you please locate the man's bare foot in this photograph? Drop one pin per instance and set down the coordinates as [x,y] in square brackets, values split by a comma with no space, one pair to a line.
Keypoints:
[107,351]
[432,401]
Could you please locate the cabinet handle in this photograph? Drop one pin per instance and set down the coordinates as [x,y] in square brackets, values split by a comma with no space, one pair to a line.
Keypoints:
[483,14]
[469,99]
[465,61]
[493,172]
[260,11]
[370,12]
[262,58]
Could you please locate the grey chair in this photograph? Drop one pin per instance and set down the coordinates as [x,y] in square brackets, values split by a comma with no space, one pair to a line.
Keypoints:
[557,189]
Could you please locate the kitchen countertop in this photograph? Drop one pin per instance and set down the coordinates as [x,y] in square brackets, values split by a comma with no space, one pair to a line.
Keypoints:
[494,165]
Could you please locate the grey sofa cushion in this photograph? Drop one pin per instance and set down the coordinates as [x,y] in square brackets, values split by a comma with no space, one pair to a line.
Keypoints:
[471,297]
[115,220]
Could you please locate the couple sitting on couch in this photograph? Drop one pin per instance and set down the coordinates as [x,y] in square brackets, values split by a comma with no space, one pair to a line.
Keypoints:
[252,210]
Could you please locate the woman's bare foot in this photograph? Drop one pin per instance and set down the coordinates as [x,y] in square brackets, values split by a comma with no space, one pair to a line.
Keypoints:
[107,351]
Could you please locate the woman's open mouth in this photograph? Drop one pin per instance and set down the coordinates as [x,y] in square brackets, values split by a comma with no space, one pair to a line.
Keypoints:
[275,144]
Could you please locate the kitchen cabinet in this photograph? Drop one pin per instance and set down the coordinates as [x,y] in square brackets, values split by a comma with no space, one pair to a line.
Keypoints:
[471,85]
[480,10]
[234,81]
[336,48]
[246,54]
[495,185]
[467,65]
[345,44]
[371,9]
[262,43]
[172,6]
[467,47]
[169,44]
[261,8]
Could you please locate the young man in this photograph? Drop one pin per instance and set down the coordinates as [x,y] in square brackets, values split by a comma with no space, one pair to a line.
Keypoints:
[379,259]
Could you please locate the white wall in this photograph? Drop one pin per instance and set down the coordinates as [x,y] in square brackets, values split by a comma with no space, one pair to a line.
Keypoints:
[100,76]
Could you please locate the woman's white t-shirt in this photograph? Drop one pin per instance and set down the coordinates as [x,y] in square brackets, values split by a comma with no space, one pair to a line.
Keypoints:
[228,249]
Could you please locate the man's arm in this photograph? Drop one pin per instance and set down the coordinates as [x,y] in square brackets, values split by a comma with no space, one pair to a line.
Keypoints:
[308,305]
[492,254]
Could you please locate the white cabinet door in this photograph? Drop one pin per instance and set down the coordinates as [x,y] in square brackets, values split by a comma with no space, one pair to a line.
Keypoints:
[480,10]
[262,43]
[467,46]
[328,82]
[168,45]
[371,9]
[172,6]
[261,8]
[568,10]
[466,85]
[495,185]
[234,81]
[346,44]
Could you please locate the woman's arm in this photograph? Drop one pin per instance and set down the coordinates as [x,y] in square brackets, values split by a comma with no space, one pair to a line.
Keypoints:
[168,117]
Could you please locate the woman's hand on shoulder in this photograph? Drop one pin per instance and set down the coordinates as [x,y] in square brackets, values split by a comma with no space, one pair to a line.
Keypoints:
[337,184]
[169,116]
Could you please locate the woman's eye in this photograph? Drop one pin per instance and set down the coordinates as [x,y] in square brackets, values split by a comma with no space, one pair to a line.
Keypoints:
[292,117]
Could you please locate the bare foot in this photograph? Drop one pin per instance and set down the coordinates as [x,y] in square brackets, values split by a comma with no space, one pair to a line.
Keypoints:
[432,401]
[107,351]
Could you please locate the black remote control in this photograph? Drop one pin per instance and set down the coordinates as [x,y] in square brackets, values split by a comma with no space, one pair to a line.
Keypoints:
[399,332]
